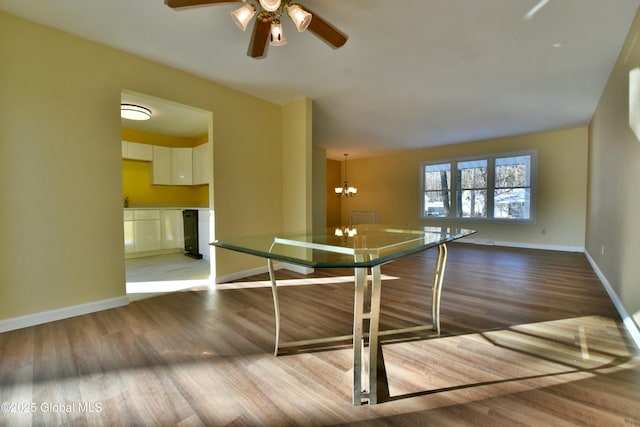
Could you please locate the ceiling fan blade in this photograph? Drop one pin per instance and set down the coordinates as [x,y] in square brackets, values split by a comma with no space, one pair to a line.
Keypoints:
[259,38]
[178,4]
[327,32]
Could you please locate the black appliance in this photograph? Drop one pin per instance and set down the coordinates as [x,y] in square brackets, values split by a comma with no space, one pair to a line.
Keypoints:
[190,221]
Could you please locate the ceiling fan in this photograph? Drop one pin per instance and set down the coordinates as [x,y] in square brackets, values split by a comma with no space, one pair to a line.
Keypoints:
[267,28]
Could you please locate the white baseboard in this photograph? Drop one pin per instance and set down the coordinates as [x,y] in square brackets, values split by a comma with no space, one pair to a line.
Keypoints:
[487,242]
[629,322]
[260,270]
[61,313]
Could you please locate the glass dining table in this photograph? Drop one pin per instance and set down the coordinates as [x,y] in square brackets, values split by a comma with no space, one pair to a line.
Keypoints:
[365,248]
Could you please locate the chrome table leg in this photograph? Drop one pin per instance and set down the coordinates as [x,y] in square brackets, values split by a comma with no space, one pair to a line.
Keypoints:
[276,305]
[438,276]
[366,312]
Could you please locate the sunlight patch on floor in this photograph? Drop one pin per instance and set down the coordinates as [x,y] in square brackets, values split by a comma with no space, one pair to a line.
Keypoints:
[165,286]
[513,359]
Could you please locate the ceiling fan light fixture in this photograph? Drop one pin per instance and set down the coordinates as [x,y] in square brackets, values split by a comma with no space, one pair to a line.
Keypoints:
[300,17]
[270,5]
[243,15]
[277,36]
[134,112]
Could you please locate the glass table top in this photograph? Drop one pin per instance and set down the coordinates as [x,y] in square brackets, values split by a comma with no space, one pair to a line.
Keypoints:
[357,246]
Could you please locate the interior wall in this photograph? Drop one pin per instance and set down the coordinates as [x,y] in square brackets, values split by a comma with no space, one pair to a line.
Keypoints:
[319,188]
[60,134]
[390,185]
[333,180]
[297,154]
[613,229]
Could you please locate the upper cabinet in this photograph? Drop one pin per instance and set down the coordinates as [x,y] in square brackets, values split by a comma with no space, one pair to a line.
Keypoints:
[181,166]
[161,165]
[201,162]
[137,151]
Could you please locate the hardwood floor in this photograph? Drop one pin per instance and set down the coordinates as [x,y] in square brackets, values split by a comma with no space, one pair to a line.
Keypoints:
[528,338]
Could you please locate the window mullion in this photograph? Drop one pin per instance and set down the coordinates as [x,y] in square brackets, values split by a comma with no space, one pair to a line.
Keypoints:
[454,189]
[491,185]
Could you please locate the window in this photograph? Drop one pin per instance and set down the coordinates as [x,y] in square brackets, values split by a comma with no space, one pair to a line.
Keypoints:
[489,188]
[471,195]
[437,190]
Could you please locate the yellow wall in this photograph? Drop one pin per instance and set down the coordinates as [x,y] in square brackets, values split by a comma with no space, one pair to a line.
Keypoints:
[298,155]
[319,179]
[137,175]
[60,133]
[137,186]
[613,229]
[390,184]
[151,138]
[334,179]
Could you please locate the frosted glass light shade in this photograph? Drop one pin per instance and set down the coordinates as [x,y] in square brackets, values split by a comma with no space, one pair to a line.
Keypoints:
[277,36]
[300,17]
[270,5]
[243,16]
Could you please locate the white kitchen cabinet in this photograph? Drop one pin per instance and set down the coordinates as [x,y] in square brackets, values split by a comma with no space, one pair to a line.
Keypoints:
[146,230]
[181,166]
[129,237]
[201,162]
[137,151]
[172,166]
[204,239]
[172,229]
[161,165]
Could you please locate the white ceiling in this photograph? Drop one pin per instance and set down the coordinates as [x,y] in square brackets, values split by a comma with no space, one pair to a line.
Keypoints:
[167,118]
[414,73]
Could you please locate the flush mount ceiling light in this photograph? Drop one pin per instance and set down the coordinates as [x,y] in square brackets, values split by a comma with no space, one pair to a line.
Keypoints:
[267,27]
[134,112]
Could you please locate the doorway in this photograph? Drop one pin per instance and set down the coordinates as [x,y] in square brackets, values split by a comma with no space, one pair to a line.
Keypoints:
[167,168]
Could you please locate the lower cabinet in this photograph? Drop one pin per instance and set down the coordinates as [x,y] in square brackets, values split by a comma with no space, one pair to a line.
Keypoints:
[203,233]
[146,230]
[172,229]
[152,230]
[147,235]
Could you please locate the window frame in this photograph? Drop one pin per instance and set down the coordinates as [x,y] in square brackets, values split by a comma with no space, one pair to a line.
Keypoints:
[491,188]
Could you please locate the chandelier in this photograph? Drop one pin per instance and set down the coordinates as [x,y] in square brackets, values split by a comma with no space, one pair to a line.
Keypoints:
[345,232]
[346,190]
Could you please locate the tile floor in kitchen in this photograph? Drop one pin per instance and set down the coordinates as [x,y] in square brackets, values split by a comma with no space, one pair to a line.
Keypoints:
[153,275]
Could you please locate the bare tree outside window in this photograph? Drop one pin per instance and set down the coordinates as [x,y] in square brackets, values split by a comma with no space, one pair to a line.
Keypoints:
[472,189]
[437,189]
[512,187]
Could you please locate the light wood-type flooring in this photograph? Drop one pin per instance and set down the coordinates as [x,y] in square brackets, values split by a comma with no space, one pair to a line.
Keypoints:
[528,338]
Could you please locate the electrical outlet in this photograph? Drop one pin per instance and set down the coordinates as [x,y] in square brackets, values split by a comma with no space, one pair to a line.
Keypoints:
[602,250]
